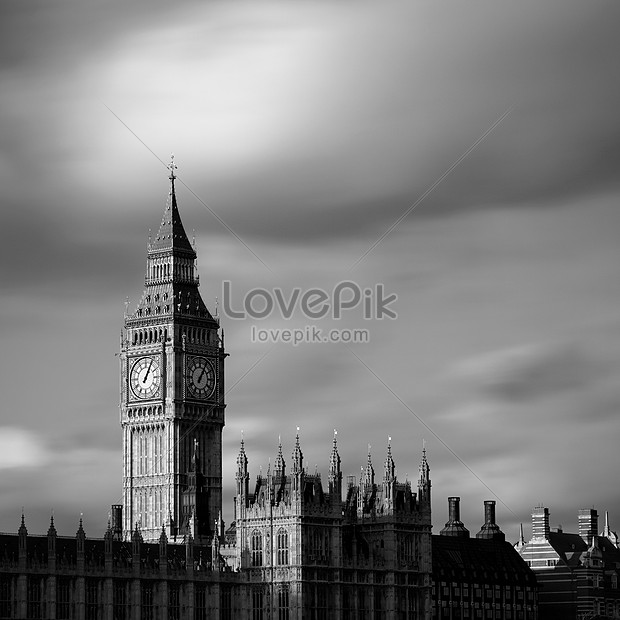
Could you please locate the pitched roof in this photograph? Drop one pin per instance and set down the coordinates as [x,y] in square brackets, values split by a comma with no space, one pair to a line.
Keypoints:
[477,559]
[568,546]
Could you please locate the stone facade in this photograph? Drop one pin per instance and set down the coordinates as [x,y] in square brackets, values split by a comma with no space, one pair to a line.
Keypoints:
[324,554]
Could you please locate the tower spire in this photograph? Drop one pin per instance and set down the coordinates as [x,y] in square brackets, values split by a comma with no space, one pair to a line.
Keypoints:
[278,469]
[171,234]
[298,457]
[389,469]
[335,473]
[369,474]
[424,479]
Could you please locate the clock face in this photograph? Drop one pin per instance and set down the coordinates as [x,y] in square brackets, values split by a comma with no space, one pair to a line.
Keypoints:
[145,377]
[200,377]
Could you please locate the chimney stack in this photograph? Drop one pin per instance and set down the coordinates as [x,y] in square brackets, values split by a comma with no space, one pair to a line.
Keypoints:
[490,530]
[540,522]
[454,526]
[588,524]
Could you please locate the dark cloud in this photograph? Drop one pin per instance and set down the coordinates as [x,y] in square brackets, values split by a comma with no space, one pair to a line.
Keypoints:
[529,373]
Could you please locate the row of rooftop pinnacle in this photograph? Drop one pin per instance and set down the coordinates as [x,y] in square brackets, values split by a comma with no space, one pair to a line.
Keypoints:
[367,477]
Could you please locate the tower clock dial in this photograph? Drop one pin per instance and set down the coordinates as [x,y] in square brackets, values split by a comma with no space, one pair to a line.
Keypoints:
[145,377]
[200,377]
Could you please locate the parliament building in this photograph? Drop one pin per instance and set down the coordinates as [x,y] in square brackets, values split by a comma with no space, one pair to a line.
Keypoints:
[301,546]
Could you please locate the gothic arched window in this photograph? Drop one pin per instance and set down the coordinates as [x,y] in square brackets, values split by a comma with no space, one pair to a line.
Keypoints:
[282,547]
[257,548]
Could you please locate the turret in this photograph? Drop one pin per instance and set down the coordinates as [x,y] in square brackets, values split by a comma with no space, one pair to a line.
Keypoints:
[389,478]
[189,553]
[215,552]
[366,494]
[242,477]
[369,473]
[22,537]
[297,468]
[51,545]
[279,466]
[424,480]
[334,478]
[163,551]
[136,544]
[80,538]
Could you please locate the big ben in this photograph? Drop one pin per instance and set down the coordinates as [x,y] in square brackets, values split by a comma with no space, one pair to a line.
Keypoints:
[172,395]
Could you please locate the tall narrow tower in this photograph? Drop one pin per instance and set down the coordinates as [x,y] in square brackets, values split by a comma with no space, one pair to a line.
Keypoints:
[172,395]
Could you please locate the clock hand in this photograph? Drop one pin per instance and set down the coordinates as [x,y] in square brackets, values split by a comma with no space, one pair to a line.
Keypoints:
[202,374]
[148,372]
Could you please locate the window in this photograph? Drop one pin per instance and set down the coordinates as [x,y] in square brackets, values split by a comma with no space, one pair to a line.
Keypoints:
[257,548]
[63,598]
[282,547]
[92,599]
[174,608]
[200,605]
[257,604]
[120,601]
[378,604]
[6,605]
[406,549]
[283,602]
[34,608]
[147,609]
[226,604]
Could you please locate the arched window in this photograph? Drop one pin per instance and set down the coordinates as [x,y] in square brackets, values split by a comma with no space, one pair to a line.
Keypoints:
[282,547]
[257,548]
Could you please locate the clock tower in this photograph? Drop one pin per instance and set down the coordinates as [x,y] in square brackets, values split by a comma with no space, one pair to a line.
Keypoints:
[172,395]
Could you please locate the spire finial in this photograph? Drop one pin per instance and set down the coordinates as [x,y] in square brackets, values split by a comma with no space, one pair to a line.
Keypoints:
[172,167]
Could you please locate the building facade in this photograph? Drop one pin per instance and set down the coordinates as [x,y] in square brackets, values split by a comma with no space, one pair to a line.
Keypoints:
[482,577]
[327,552]
[578,573]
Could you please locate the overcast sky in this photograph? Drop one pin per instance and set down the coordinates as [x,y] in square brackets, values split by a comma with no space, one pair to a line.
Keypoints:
[310,130]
